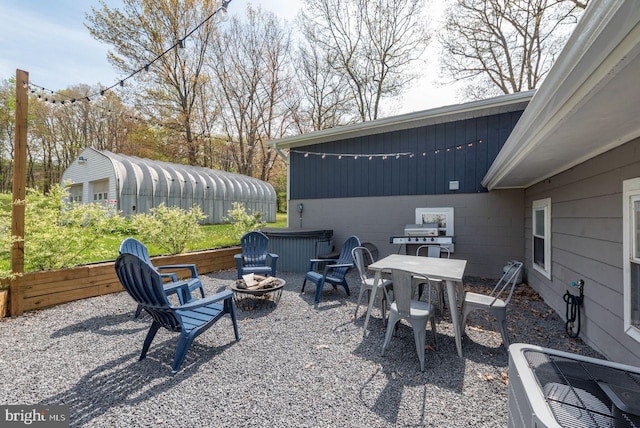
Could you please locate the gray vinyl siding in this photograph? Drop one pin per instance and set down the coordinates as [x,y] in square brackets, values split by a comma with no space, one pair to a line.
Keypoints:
[97,167]
[313,177]
[586,243]
[488,225]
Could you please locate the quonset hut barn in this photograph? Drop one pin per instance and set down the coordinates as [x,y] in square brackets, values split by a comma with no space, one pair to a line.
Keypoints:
[136,185]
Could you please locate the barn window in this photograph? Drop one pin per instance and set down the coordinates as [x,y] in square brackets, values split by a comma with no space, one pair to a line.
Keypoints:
[100,190]
[631,255]
[542,236]
[75,193]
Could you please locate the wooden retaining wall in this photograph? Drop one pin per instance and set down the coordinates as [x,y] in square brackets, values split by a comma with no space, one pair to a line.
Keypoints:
[49,288]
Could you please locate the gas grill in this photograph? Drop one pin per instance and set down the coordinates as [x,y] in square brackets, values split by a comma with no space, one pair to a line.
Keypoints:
[549,388]
[422,234]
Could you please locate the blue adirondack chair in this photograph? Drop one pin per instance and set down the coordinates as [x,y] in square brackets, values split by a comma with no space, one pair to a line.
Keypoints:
[137,248]
[254,257]
[145,286]
[334,271]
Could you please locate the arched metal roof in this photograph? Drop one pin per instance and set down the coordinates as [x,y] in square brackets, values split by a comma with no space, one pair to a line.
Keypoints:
[144,183]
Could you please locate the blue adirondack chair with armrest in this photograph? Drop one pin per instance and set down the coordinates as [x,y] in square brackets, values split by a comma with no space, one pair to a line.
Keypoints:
[335,270]
[254,257]
[137,248]
[144,285]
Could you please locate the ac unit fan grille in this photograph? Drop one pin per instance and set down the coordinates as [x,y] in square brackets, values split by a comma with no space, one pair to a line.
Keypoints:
[572,389]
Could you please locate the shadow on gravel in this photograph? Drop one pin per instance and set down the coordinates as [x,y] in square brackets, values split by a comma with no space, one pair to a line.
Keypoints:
[443,369]
[105,325]
[126,382]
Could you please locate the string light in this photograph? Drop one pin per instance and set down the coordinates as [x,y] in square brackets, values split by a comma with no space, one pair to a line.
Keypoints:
[351,155]
[385,156]
[180,43]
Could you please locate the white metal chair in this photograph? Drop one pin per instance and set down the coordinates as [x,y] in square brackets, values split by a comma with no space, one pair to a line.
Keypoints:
[415,312]
[495,302]
[432,251]
[362,257]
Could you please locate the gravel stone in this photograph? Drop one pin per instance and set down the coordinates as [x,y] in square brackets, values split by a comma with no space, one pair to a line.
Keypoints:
[295,366]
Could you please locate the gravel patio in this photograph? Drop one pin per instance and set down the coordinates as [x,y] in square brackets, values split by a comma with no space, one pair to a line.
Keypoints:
[294,367]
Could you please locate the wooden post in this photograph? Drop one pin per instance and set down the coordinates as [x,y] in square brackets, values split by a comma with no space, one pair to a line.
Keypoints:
[19,191]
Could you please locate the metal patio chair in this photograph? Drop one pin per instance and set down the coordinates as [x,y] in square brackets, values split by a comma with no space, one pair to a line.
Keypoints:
[415,312]
[362,257]
[432,251]
[495,302]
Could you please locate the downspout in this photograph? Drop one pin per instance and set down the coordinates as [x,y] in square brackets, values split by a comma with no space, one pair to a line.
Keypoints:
[286,161]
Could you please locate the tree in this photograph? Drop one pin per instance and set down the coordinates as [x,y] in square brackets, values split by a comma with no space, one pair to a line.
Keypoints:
[142,34]
[504,46]
[60,129]
[324,101]
[251,64]
[370,43]
[7,132]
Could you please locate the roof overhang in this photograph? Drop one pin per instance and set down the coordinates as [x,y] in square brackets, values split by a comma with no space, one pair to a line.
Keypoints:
[491,106]
[588,104]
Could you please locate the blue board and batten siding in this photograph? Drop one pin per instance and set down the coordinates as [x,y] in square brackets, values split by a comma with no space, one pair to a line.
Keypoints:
[459,151]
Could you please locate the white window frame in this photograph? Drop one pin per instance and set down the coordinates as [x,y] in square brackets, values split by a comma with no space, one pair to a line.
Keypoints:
[545,206]
[630,194]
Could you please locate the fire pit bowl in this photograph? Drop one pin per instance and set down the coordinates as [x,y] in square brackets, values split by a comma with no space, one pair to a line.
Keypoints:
[266,289]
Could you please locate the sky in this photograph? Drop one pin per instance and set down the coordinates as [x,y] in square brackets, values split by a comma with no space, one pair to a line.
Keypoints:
[48,39]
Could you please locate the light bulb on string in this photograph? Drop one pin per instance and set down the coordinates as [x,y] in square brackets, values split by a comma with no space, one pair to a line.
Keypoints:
[223,14]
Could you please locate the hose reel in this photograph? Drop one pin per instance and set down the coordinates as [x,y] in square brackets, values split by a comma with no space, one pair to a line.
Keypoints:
[573,303]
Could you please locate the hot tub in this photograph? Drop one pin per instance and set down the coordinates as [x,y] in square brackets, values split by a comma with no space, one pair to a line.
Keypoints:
[297,246]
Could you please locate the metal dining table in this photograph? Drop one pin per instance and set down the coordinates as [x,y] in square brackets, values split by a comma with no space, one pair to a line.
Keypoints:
[450,271]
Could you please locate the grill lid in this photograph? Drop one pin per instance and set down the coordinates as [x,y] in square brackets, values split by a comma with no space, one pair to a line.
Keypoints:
[426,229]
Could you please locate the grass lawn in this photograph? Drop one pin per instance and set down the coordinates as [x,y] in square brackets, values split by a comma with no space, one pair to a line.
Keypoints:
[216,236]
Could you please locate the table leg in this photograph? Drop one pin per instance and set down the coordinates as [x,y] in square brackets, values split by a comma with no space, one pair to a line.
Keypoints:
[372,298]
[455,316]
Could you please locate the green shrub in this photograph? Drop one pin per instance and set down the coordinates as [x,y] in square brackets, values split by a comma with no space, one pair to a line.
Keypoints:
[242,221]
[60,235]
[169,228]
[6,239]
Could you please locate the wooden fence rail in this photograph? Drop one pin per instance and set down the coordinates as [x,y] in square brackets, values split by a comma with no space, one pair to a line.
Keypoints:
[49,288]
